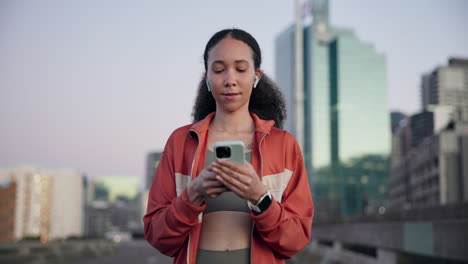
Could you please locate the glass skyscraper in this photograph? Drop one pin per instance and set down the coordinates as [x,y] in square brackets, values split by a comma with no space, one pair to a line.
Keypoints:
[346,119]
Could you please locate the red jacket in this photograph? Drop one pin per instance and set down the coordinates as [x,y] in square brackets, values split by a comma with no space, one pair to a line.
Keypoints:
[172,224]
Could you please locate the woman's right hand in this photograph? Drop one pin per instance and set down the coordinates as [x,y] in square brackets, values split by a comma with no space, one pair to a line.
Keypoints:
[205,186]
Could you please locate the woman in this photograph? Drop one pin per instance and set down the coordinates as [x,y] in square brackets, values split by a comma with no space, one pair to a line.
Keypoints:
[206,211]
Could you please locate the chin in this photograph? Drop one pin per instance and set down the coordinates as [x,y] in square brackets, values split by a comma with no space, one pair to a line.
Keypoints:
[233,108]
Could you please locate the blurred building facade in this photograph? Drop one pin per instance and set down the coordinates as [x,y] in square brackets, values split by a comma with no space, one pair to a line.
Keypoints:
[396,118]
[445,91]
[346,121]
[429,162]
[98,218]
[7,210]
[48,203]
[152,161]
[114,204]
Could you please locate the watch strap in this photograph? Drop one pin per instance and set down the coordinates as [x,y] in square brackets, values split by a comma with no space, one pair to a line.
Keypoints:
[262,204]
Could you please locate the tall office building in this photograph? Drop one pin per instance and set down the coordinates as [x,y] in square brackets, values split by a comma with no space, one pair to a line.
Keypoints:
[396,118]
[428,169]
[346,119]
[113,205]
[445,92]
[7,210]
[152,161]
[430,149]
[48,203]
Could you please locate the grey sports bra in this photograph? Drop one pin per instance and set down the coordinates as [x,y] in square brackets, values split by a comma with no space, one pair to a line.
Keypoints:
[227,201]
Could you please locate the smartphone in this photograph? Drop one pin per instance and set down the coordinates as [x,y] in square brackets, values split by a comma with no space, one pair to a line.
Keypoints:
[230,150]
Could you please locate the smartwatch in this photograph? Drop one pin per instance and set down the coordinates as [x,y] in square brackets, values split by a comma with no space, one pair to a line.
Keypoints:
[262,204]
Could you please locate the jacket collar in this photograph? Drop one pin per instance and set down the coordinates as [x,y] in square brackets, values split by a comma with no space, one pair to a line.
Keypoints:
[261,125]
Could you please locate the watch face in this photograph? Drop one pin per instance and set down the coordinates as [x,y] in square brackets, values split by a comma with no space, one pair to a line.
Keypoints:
[265,203]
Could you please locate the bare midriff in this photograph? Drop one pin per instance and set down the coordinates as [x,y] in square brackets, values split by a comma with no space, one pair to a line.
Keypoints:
[225,230]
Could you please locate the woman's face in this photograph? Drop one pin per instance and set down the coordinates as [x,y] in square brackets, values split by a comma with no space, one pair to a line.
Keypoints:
[231,74]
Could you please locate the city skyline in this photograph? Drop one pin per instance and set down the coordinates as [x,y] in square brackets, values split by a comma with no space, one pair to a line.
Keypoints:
[87,85]
[345,119]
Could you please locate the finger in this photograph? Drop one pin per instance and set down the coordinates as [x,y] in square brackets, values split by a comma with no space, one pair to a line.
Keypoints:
[245,169]
[209,168]
[209,175]
[232,173]
[237,190]
[212,183]
[229,164]
[215,192]
[231,181]
[227,175]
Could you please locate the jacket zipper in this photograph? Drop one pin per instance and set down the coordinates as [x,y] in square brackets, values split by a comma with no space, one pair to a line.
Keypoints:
[261,175]
[196,152]
[191,173]
[261,157]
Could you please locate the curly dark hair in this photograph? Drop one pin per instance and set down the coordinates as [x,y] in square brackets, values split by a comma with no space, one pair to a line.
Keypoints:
[266,100]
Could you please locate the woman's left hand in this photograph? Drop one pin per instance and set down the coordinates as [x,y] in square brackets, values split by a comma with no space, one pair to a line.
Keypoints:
[242,180]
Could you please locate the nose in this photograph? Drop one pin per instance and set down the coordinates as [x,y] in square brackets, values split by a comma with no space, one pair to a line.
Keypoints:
[229,78]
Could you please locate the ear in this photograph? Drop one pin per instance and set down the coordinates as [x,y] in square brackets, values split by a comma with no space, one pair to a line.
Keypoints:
[207,83]
[208,86]
[256,81]
[258,76]
[259,73]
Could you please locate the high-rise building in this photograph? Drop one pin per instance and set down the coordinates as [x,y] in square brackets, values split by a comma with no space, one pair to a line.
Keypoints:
[7,210]
[422,126]
[152,161]
[445,92]
[429,171]
[396,118]
[429,162]
[66,206]
[116,205]
[98,218]
[346,119]
[399,193]
[48,203]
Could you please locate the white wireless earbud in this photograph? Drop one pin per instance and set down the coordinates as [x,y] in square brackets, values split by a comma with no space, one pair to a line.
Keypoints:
[208,86]
[256,81]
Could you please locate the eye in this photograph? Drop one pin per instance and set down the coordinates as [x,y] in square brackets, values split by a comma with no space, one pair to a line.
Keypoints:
[218,70]
[241,70]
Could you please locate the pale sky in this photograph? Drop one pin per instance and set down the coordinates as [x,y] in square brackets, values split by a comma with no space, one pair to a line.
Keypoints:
[96,85]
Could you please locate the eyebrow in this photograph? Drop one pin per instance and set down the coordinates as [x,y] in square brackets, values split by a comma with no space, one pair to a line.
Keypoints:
[236,61]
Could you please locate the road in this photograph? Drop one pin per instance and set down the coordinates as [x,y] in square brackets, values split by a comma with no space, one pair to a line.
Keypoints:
[134,252]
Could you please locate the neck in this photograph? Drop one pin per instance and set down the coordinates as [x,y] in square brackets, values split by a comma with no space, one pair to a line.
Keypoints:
[239,121]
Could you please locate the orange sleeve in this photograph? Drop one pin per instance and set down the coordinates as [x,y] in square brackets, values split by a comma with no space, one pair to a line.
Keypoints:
[169,218]
[286,226]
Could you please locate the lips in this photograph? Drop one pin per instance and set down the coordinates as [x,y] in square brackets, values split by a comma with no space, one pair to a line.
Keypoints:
[230,96]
